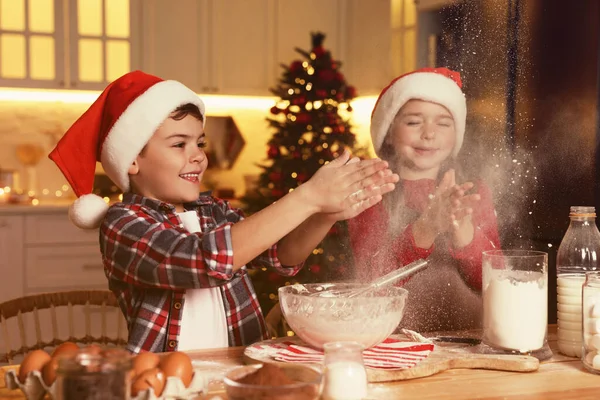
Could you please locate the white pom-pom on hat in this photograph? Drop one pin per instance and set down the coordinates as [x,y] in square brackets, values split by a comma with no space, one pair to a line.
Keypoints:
[113,131]
[88,211]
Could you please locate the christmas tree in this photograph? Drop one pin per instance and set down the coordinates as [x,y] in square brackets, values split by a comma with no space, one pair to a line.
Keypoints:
[309,133]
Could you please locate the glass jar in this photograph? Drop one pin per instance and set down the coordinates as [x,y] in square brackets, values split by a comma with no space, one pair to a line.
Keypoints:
[515,300]
[94,374]
[591,322]
[345,374]
[577,254]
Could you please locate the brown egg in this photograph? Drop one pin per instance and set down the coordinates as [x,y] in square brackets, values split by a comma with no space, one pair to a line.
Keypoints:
[49,370]
[150,379]
[144,361]
[69,347]
[33,361]
[177,364]
[93,349]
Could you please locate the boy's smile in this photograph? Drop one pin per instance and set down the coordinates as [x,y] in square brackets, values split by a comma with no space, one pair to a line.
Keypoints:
[173,162]
[192,176]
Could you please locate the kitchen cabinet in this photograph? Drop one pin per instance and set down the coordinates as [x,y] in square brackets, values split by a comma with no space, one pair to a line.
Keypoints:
[11,256]
[231,47]
[235,47]
[67,44]
[42,251]
[367,59]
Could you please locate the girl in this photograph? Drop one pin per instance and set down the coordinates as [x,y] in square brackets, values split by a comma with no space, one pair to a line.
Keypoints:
[418,125]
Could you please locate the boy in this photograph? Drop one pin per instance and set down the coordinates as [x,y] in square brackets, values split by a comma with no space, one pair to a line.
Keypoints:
[182,289]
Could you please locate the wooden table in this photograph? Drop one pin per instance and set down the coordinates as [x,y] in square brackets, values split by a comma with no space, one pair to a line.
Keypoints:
[560,378]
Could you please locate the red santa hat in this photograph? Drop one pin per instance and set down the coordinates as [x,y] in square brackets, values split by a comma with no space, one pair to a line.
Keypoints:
[113,131]
[437,85]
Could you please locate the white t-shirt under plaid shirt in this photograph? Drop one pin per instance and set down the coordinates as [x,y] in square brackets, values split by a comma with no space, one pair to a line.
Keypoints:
[203,321]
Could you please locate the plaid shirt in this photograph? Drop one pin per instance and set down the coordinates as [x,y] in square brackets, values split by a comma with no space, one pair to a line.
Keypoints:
[150,260]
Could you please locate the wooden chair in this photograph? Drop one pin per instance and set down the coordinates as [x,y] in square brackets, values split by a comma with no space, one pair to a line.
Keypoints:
[37,309]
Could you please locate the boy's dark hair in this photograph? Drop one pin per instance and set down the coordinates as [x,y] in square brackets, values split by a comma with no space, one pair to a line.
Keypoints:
[187,109]
[180,113]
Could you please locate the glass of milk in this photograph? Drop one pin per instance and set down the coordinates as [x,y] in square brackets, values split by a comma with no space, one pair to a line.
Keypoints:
[515,300]
[345,373]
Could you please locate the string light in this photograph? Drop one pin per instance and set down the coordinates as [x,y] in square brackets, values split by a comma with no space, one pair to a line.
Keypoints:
[305,64]
[35,202]
[325,145]
[308,86]
[327,129]
[290,91]
[317,104]
[294,175]
[310,70]
[308,106]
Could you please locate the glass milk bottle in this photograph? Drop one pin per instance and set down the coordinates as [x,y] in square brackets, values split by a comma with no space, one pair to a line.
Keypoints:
[577,254]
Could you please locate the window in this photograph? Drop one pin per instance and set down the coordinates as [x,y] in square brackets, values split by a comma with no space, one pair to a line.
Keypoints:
[404,36]
[102,40]
[28,40]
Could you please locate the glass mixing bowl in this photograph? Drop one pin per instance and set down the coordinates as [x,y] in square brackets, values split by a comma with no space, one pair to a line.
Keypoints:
[318,313]
[306,384]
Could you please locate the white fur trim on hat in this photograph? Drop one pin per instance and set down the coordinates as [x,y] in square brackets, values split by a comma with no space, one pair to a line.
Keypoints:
[136,125]
[428,86]
[88,211]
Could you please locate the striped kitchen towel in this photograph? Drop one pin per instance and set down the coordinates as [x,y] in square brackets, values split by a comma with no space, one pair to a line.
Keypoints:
[390,354]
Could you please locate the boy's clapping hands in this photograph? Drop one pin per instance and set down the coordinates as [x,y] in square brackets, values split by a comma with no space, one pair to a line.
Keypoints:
[346,186]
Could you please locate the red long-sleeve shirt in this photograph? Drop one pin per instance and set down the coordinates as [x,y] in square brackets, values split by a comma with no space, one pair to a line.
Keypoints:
[373,248]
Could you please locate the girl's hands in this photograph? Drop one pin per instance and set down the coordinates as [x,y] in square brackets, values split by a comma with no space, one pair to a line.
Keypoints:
[346,187]
[450,210]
